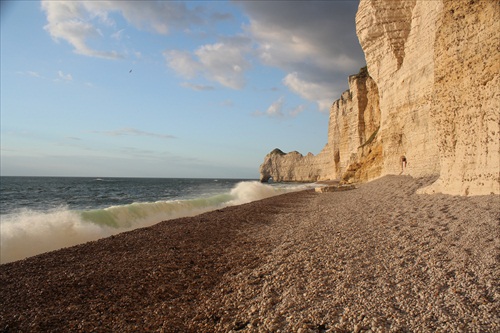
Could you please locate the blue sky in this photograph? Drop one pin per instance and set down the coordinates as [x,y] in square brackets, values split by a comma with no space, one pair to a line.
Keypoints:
[168,89]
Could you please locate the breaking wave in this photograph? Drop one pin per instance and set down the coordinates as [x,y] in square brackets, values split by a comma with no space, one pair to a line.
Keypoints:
[27,233]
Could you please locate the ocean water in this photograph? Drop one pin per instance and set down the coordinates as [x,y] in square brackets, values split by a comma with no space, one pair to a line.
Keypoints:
[41,214]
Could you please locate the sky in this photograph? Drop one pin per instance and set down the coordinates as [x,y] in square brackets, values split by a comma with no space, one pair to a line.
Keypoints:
[198,89]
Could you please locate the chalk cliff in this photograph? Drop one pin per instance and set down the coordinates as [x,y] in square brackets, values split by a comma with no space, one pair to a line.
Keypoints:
[294,167]
[466,106]
[354,121]
[397,38]
[431,98]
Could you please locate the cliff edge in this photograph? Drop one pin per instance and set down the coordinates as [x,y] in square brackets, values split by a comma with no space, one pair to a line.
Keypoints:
[426,104]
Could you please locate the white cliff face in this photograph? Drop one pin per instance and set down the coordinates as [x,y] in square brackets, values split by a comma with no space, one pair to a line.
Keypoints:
[466,103]
[383,28]
[354,119]
[294,167]
[432,96]
[437,68]
[398,40]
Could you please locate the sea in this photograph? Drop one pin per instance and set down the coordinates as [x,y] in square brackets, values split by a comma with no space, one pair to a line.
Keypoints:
[41,214]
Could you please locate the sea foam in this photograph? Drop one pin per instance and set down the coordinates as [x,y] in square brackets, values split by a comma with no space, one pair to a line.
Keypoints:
[27,233]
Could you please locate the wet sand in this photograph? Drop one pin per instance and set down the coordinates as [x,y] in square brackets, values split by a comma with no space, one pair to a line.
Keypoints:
[377,258]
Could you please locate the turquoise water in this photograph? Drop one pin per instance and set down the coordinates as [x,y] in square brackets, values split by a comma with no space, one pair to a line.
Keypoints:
[40,214]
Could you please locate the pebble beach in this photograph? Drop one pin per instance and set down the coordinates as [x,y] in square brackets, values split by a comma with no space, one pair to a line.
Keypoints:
[377,258]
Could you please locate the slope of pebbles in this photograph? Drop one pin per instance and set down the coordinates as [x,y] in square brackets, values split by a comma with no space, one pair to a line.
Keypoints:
[378,258]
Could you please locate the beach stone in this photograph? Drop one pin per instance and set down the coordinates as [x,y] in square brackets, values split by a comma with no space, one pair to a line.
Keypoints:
[325,189]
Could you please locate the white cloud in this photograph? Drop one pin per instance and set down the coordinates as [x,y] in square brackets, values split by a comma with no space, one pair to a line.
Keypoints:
[183,63]
[156,16]
[68,20]
[65,77]
[277,110]
[312,91]
[76,22]
[278,47]
[223,62]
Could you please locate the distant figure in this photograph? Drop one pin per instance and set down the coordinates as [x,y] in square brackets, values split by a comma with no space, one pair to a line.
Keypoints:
[130,71]
[403,164]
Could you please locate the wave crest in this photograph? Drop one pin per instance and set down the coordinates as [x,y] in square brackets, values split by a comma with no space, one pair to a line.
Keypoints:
[28,233]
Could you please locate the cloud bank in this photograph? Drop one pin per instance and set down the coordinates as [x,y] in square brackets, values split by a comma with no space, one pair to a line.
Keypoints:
[77,22]
[313,42]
